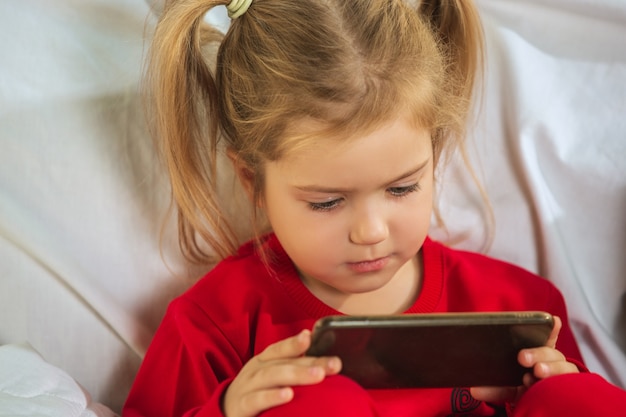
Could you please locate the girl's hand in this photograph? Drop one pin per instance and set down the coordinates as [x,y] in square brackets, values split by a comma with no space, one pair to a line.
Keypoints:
[544,361]
[266,380]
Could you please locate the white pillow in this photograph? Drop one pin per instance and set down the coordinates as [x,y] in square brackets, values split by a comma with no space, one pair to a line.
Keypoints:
[29,386]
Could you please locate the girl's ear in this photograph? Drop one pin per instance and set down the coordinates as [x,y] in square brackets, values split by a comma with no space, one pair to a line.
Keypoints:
[244,173]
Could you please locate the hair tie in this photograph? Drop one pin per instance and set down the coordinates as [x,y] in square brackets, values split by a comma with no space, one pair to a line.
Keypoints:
[237,7]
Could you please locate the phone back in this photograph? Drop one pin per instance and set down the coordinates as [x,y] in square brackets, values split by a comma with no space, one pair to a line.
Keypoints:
[440,350]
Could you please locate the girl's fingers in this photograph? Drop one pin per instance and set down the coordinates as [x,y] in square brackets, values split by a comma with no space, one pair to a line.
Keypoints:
[529,379]
[548,353]
[530,357]
[554,335]
[546,369]
[267,386]
[546,361]
[291,350]
[300,371]
[255,402]
[291,347]
[263,385]
[495,394]
[266,380]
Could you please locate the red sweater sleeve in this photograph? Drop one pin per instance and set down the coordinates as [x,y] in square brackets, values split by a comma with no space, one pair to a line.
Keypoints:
[187,368]
[474,282]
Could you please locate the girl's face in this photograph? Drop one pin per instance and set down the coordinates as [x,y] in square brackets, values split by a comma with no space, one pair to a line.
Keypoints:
[353,215]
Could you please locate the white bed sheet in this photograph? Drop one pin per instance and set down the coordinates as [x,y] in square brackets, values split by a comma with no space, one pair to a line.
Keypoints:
[82,278]
[81,200]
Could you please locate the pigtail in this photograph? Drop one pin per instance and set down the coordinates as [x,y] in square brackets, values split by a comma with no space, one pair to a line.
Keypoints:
[182,98]
[456,24]
[458,32]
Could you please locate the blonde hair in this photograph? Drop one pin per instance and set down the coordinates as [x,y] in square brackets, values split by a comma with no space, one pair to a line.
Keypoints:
[349,64]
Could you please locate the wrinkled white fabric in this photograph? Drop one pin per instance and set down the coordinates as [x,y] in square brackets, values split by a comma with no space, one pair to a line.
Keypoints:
[81,201]
[29,386]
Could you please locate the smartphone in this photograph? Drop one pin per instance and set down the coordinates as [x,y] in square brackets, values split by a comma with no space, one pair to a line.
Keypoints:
[432,350]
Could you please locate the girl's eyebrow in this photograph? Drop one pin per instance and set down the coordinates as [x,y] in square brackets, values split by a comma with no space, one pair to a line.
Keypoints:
[333,190]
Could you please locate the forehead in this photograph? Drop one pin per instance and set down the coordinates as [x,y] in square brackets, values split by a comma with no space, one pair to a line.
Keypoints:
[383,153]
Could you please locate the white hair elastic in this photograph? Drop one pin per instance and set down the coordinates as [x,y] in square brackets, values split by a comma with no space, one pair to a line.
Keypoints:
[237,7]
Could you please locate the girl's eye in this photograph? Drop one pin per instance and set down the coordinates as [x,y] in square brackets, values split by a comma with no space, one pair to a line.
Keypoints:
[403,191]
[325,205]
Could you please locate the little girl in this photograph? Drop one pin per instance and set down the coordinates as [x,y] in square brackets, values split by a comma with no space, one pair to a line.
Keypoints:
[335,114]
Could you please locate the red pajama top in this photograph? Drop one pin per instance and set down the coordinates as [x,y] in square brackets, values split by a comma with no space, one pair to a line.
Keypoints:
[240,307]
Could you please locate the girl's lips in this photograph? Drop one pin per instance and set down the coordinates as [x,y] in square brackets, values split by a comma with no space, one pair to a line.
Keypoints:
[369,266]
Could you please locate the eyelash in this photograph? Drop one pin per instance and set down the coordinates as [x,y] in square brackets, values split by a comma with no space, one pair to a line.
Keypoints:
[404,191]
[325,206]
[397,192]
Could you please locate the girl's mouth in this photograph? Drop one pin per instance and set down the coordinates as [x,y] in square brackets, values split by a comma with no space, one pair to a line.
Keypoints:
[369,266]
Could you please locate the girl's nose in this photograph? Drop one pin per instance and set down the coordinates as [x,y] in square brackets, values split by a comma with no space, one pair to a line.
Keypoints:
[369,228]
